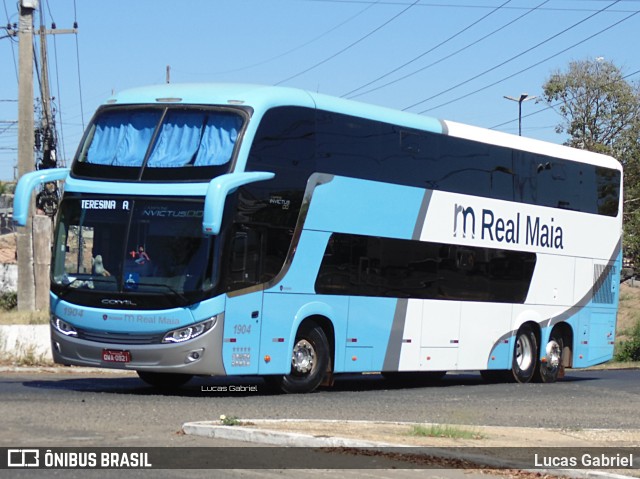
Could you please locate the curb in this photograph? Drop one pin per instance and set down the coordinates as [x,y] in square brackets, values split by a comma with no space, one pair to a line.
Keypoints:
[275,438]
[213,429]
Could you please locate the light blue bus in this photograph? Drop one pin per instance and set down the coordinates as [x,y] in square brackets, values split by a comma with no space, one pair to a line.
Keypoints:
[249,230]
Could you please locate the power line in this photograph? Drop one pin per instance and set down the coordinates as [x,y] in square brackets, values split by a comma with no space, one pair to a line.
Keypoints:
[59,110]
[447,56]
[534,65]
[299,47]
[13,52]
[475,6]
[550,107]
[75,26]
[421,55]
[348,46]
[518,55]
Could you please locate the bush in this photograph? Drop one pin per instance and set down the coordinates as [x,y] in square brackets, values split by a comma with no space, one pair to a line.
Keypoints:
[8,301]
[629,350]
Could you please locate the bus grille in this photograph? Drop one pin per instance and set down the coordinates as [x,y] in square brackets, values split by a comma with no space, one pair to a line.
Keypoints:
[120,338]
[603,283]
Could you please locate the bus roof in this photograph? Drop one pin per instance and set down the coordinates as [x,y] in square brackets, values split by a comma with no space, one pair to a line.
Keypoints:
[261,98]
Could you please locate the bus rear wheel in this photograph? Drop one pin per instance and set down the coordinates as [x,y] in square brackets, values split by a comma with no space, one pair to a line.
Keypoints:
[309,361]
[164,380]
[525,355]
[551,364]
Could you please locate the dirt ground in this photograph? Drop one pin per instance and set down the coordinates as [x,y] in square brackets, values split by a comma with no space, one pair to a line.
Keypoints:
[484,436]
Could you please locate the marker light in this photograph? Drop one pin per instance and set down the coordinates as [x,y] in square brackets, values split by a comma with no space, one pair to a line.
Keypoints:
[189,332]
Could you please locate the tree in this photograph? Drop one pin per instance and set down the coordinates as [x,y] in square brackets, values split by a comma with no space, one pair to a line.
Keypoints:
[601,113]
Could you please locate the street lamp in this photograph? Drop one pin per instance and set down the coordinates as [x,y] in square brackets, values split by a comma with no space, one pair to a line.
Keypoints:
[523,97]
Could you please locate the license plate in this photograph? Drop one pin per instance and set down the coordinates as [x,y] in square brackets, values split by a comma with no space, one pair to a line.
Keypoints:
[116,356]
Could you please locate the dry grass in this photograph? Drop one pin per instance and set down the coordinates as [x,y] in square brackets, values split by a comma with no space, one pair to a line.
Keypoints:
[629,312]
[24,317]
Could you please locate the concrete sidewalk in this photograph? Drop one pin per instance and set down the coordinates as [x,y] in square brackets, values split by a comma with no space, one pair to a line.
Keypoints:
[492,447]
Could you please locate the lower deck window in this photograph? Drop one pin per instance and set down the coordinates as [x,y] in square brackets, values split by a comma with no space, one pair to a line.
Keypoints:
[373,266]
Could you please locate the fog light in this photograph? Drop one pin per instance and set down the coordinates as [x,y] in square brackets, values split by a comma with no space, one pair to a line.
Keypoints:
[194,355]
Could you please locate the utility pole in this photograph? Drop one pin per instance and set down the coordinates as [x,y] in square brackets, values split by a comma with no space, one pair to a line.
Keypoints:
[523,97]
[33,240]
[26,277]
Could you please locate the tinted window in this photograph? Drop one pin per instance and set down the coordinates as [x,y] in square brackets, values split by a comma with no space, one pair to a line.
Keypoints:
[373,266]
[378,151]
[285,145]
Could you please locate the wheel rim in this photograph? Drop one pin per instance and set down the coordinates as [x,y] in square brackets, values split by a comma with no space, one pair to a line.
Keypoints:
[304,357]
[554,354]
[524,353]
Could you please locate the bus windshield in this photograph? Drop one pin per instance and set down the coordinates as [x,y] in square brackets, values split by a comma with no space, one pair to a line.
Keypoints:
[158,143]
[132,246]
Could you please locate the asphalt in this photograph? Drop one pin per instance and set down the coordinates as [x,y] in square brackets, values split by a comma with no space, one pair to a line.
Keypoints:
[368,434]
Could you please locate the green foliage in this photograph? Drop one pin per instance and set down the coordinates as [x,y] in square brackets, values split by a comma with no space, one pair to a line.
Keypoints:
[629,350]
[596,102]
[7,187]
[601,113]
[229,420]
[8,301]
[447,431]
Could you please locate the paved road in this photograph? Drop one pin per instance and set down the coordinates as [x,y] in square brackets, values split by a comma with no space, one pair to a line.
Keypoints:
[95,409]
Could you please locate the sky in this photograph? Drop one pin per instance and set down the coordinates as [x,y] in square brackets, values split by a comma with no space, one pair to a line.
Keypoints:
[453,60]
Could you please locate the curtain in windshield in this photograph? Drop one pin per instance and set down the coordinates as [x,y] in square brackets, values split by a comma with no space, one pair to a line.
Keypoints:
[186,138]
[195,138]
[121,138]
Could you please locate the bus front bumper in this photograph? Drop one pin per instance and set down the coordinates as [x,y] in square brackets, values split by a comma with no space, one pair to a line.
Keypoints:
[199,356]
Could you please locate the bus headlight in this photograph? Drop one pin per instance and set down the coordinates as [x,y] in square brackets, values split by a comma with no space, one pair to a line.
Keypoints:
[63,327]
[189,332]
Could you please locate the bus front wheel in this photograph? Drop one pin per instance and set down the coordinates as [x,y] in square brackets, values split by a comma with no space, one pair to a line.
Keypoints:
[164,380]
[309,361]
[525,355]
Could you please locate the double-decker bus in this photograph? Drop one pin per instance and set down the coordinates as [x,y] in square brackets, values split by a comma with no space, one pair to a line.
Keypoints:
[250,230]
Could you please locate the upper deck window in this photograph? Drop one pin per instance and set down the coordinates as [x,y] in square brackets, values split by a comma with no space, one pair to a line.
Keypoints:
[163,144]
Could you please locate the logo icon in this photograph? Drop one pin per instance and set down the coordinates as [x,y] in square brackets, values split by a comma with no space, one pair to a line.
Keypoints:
[23,458]
[462,213]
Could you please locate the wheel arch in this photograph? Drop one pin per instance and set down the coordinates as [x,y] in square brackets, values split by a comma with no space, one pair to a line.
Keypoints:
[321,314]
[565,331]
[327,326]
[535,326]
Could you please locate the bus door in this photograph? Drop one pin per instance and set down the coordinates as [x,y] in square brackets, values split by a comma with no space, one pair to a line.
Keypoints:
[243,311]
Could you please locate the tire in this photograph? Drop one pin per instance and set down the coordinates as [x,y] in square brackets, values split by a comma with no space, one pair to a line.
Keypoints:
[309,361]
[550,365]
[164,380]
[525,355]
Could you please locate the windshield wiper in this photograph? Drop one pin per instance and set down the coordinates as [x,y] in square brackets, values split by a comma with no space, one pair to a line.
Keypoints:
[183,299]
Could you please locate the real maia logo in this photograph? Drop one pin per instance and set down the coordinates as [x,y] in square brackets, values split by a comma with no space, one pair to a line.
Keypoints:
[531,230]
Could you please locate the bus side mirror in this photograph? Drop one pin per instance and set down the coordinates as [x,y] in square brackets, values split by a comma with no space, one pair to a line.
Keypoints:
[217,193]
[25,188]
